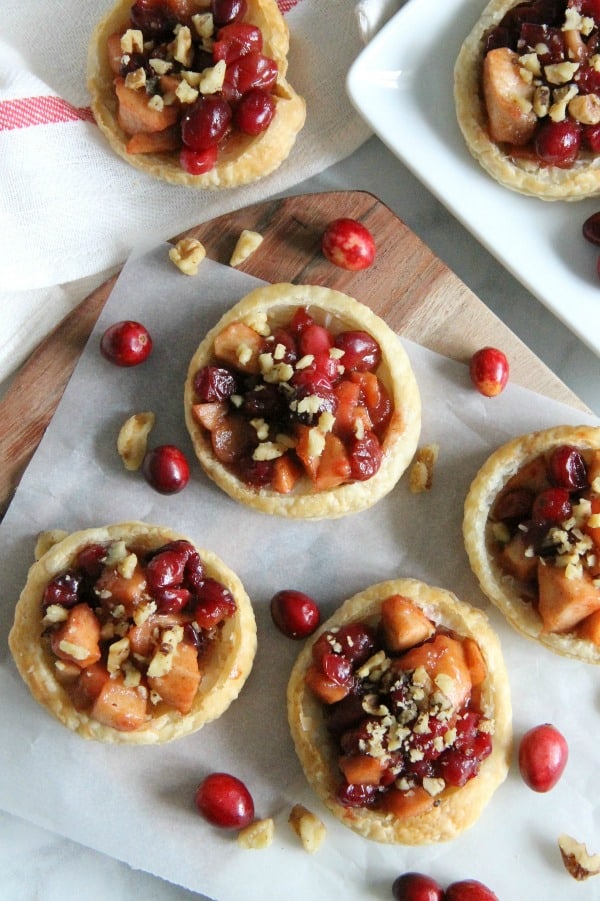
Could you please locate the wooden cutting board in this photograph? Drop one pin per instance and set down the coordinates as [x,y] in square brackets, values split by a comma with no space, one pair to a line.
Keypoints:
[408,286]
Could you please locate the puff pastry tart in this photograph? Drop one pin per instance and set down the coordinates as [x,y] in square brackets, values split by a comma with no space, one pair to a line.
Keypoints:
[400,712]
[527,95]
[302,402]
[129,633]
[195,91]
[532,534]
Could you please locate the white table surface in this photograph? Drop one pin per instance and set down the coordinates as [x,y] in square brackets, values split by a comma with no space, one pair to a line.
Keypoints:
[36,865]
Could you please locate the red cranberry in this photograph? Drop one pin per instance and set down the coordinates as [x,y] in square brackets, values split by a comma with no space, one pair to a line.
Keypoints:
[235,40]
[469,890]
[567,468]
[552,506]
[225,801]
[543,755]
[62,590]
[226,11]
[489,371]
[557,143]
[126,343]
[366,456]
[348,244]
[254,112]
[206,122]
[196,162]
[214,603]
[166,469]
[253,70]
[214,383]
[361,351]
[295,613]
[591,227]
[416,887]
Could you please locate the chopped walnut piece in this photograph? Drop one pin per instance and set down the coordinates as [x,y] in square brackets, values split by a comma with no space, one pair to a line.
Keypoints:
[421,471]
[257,835]
[308,827]
[247,243]
[578,862]
[132,440]
[187,255]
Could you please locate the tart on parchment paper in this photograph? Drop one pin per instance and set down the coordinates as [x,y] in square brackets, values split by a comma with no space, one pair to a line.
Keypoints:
[542,574]
[242,158]
[520,109]
[428,811]
[133,666]
[248,338]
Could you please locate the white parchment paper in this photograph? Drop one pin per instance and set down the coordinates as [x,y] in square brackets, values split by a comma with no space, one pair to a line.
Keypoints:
[136,804]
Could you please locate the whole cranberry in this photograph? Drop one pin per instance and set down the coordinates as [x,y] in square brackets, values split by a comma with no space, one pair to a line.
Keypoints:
[543,755]
[126,343]
[489,370]
[348,244]
[469,890]
[295,613]
[558,143]
[224,801]
[416,887]
[166,469]
[591,228]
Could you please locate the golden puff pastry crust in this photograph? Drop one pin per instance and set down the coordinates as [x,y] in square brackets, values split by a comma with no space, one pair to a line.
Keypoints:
[458,809]
[501,588]
[272,306]
[522,174]
[224,669]
[244,158]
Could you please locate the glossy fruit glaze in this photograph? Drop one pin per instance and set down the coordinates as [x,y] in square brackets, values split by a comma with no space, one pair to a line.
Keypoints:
[190,113]
[126,629]
[406,723]
[536,27]
[543,531]
[303,401]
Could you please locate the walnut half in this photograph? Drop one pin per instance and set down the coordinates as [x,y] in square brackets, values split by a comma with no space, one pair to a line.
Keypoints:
[576,858]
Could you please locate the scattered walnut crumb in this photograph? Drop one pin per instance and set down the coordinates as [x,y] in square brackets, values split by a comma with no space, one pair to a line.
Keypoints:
[421,471]
[257,835]
[578,862]
[132,440]
[308,827]
[187,255]
[247,243]
[48,539]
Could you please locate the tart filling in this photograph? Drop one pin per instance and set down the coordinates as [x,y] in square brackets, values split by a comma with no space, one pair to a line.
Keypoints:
[194,91]
[532,533]
[302,402]
[527,93]
[131,634]
[400,713]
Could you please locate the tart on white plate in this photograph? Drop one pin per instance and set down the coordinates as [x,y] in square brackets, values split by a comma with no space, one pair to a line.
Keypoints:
[195,92]
[130,633]
[400,712]
[527,96]
[302,402]
[532,534]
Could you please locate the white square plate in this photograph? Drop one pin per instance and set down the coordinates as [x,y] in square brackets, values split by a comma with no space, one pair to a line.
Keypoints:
[402,85]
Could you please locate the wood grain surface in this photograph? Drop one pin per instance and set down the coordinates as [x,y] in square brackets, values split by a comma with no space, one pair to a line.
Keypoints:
[408,286]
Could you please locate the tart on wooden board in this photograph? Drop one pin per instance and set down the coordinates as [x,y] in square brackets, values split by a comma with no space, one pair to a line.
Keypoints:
[302,402]
[129,633]
[400,712]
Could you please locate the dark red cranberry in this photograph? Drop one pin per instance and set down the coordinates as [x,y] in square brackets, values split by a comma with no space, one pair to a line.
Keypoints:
[165,570]
[254,111]
[214,603]
[350,795]
[225,801]
[166,469]
[126,343]
[361,351]
[206,122]
[567,468]
[197,162]
[557,143]
[250,71]
[514,505]
[214,383]
[591,226]
[357,642]
[366,456]
[226,11]
[172,600]
[90,560]
[469,890]
[154,19]
[552,506]
[294,613]
[63,590]
[416,887]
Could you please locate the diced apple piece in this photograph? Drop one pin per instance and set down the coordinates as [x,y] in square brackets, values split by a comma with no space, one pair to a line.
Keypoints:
[444,661]
[119,707]
[515,559]
[134,114]
[240,346]
[209,415]
[142,638]
[77,639]
[155,142]
[286,473]
[323,688]
[88,686]
[532,475]
[404,624]
[334,466]
[563,602]
[475,662]
[231,438]
[178,687]
[508,98]
[116,589]
[589,628]
[305,452]
[405,803]
[361,769]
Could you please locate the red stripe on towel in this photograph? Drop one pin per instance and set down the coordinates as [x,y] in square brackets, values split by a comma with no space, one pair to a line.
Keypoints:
[40,111]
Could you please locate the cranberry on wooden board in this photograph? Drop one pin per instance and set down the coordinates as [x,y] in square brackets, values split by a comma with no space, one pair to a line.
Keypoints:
[166,469]
[489,371]
[126,343]
[295,613]
[469,890]
[416,887]
[543,755]
[224,801]
[348,244]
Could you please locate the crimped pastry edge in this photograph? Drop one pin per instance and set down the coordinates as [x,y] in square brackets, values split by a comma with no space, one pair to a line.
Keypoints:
[525,177]
[229,666]
[247,159]
[460,809]
[497,586]
[403,432]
